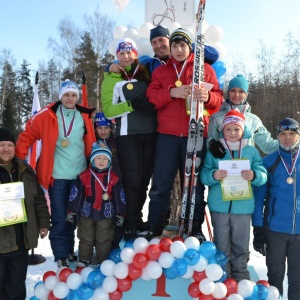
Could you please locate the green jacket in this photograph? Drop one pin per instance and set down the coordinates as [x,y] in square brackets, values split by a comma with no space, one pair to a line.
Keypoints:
[36,209]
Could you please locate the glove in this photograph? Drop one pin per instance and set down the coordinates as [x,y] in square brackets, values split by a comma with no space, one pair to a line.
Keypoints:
[217,149]
[142,105]
[71,218]
[259,240]
[119,220]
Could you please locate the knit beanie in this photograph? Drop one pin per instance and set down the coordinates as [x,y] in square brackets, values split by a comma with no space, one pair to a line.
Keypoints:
[238,82]
[68,86]
[126,44]
[288,124]
[182,35]
[100,148]
[6,136]
[234,117]
[159,31]
[100,120]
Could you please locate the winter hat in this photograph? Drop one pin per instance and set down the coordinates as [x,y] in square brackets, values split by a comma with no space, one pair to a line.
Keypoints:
[159,31]
[6,136]
[100,120]
[100,148]
[238,82]
[181,34]
[288,124]
[126,44]
[234,117]
[68,86]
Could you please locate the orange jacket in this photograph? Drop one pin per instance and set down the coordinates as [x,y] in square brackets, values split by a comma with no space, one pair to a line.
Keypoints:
[44,126]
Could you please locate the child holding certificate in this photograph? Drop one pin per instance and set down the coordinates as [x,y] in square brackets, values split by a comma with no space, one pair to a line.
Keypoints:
[97,197]
[230,199]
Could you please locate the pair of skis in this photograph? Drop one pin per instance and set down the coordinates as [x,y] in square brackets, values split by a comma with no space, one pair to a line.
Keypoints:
[195,133]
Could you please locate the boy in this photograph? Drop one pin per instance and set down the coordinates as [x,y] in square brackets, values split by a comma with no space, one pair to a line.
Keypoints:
[98,198]
[231,215]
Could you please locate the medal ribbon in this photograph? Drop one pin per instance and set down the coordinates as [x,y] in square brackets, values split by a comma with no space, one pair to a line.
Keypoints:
[67,132]
[129,78]
[240,149]
[100,182]
[293,163]
[182,69]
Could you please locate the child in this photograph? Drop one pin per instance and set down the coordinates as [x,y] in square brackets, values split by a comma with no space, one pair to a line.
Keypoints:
[97,198]
[231,218]
[237,100]
[170,86]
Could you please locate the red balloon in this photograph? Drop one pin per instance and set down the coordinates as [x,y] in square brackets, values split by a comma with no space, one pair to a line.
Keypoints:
[206,297]
[194,290]
[178,238]
[153,252]
[47,274]
[140,260]
[165,244]
[263,282]
[116,295]
[231,285]
[125,284]
[51,296]
[198,276]
[133,272]
[78,270]
[64,273]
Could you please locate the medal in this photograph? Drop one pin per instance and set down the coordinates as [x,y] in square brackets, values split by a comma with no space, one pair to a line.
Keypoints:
[290,180]
[65,143]
[129,86]
[67,132]
[178,83]
[105,196]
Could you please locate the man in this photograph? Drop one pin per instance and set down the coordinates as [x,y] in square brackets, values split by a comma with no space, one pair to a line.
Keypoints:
[18,238]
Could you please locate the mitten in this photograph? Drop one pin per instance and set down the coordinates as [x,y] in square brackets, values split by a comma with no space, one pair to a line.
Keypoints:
[71,218]
[217,149]
[259,240]
[119,220]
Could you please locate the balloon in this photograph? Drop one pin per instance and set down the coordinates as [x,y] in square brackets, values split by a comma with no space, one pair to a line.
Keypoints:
[198,276]
[260,291]
[85,273]
[170,273]
[221,82]
[220,258]
[194,290]
[140,260]
[154,269]
[166,259]
[133,272]
[201,264]
[51,282]
[78,270]
[47,274]
[63,274]
[179,266]
[191,256]
[231,286]
[145,276]
[219,68]
[121,270]
[127,255]
[155,241]
[61,290]
[165,244]
[208,249]
[235,297]
[84,291]
[116,295]
[173,26]
[129,243]
[95,279]
[206,286]
[223,277]
[110,284]
[121,4]
[125,284]
[273,293]
[131,33]
[219,291]
[213,34]
[74,280]
[51,296]
[41,292]
[192,243]
[112,46]
[214,272]
[220,47]
[119,32]
[264,282]
[245,288]
[33,298]
[189,273]
[153,252]
[178,238]
[100,294]
[177,249]
[107,267]
[115,255]
[140,245]
[144,47]
[144,30]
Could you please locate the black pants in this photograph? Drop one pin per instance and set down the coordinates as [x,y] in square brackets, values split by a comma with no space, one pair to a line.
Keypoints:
[136,154]
[13,270]
[282,246]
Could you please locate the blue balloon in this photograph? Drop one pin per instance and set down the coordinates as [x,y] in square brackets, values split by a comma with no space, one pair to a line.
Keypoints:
[223,278]
[169,273]
[115,255]
[72,295]
[84,291]
[95,279]
[221,82]
[129,243]
[207,249]
[33,298]
[220,258]
[219,67]
[179,266]
[39,282]
[191,256]
[260,292]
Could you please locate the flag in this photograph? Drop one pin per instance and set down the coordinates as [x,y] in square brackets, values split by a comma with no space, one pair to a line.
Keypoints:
[84,90]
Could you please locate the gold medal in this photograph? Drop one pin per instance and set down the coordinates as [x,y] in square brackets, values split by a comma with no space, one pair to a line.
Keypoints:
[178,83]
[105,196]
[129,86]
[65,143]
[290,180]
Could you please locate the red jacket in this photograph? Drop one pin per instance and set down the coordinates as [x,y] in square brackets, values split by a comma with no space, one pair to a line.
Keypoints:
[44,126]
[172,116]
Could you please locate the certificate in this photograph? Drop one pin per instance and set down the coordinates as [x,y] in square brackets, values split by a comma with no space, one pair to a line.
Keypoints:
[12,206]
[234,187]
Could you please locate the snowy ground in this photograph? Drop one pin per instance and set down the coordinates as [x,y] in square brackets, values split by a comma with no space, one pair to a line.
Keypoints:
[35,272]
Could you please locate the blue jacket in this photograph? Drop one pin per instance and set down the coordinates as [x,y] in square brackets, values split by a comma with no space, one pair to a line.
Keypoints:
[277,203]
[215,200]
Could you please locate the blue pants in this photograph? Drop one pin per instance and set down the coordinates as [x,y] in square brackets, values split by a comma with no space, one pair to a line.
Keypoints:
[169,157]
[61,233]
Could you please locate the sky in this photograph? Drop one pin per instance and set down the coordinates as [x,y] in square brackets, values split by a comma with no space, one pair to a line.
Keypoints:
[27,25]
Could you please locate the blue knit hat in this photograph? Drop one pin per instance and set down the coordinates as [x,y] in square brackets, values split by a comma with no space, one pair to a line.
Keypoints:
[100,120]
[159,31]
[68,86]
[100,148]
[238,82]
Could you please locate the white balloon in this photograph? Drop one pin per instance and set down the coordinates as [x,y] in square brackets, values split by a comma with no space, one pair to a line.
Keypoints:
[107,267]
[177,249]
[110,284]
[166,260]
[51,282]
[206,286]
[213,34]
[41,292]
[235,297]
[201,264]
[140,244]
[145,276]
[220,290]
[74,280]
[85,273]
[61,290]
[221,49]
[121,4]
[112,46]
[154,241]
[127,254]
[100,294]
[273,293]
[192,243]
[121,270]
[189,273]
[154,269]
[119,32]
[245,288]
[131,33]
[144,47]
[214,272]
[173,26]
[144,30]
